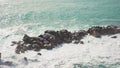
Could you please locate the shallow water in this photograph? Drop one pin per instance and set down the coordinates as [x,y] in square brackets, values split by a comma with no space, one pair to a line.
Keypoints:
[33,17]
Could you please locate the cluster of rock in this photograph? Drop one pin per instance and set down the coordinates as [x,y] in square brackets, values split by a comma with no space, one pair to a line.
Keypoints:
[98,31]
[51,38]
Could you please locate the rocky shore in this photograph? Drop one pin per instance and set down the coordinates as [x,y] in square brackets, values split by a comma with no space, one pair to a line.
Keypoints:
[51,39]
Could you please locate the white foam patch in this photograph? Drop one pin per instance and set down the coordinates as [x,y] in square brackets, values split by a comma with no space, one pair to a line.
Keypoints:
[94,50]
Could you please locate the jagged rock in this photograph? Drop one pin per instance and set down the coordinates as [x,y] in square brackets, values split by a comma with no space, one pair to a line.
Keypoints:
[36,47]
[79,35]
[54,36]
[65,36]
[26,38]
[31,40]
[95,31]
[51,38]
[21,47]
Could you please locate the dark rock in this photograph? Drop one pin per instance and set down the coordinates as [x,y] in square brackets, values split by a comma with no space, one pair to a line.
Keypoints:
[14,43]
[25,58]
[0,57]
[52,32]
[31,40]
[36,47]
[79,35]
[46,42]
[51,38]
[21,47]
[26,38]
[39,54]
[81,42]
[8,63]
[48,46]
[95,31]
[65,36]
[98,31]
[118,30]
[55,36]
[114,37]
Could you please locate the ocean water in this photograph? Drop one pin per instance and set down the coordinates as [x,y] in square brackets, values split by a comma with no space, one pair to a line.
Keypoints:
[33,17]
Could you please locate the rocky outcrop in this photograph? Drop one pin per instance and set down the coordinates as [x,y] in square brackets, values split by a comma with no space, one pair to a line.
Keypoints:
[51,39]
[98,31]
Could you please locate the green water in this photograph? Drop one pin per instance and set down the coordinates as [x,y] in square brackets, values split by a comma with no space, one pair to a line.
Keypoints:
[70,14]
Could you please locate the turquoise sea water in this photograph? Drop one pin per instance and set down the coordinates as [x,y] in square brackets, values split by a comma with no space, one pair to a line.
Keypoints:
[19,17]
[70,14]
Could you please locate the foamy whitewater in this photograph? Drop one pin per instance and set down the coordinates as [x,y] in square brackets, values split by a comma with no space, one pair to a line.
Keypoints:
[33,17]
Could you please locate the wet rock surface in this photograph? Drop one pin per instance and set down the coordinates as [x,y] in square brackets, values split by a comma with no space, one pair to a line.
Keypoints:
[98,31]
[51,39]
[114,37]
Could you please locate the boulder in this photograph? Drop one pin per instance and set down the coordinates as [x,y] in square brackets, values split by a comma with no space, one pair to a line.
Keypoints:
[95,31]
[26,38]
[65,36]
[79,35]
